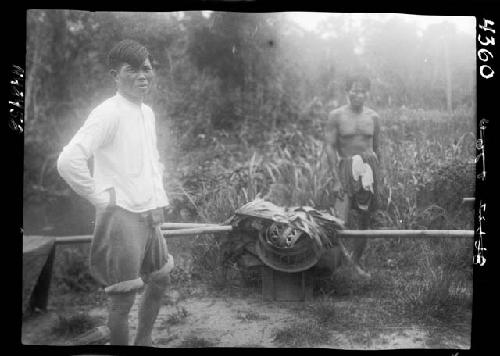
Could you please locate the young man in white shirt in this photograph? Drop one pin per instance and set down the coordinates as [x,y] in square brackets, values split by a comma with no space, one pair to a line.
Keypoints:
[128,251]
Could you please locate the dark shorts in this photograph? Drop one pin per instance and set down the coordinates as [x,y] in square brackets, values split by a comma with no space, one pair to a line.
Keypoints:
[127,248]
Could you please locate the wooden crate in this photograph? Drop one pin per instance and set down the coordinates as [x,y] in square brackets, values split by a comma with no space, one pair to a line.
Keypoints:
[38,257]
[286,287]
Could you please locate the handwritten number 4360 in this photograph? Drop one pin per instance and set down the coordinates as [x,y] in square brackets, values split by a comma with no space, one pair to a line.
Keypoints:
[484,55]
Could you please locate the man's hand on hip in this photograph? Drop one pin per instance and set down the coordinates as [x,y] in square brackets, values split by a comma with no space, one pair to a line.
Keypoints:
[103,199]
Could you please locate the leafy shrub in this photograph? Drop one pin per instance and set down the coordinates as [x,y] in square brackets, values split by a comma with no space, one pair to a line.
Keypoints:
[72,272]
[74,324]
[209,262]
[433,289]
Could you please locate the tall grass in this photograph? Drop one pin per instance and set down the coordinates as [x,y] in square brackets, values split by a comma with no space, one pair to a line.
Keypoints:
[427,159]
[290,166]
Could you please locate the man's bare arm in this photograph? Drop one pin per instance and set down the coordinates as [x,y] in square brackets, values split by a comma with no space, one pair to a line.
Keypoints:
[376,138]
[72,163]
[376,147]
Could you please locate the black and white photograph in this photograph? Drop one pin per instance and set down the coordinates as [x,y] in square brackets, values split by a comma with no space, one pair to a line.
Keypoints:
[216,179]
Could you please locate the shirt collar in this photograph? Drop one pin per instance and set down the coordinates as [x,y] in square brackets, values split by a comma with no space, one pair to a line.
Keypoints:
[127,101]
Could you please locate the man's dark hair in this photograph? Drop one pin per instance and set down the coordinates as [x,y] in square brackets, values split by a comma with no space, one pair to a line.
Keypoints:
[127,51]
[358,78]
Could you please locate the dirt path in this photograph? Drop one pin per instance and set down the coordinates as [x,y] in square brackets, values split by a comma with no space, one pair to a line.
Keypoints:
[362,317]
[201,321]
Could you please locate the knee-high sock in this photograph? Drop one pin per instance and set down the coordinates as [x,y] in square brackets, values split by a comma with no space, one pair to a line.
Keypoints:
[148,311]
[118,311]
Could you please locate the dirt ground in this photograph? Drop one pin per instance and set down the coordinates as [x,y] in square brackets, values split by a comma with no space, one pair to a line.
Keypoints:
[198,320]
[196,316]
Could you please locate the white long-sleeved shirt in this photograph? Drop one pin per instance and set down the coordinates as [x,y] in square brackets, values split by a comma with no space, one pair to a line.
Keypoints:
[121,137]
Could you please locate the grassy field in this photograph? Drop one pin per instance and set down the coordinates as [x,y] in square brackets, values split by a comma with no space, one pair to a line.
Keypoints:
[428,164]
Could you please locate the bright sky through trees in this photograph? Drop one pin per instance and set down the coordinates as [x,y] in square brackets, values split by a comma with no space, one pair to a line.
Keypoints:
[310,20]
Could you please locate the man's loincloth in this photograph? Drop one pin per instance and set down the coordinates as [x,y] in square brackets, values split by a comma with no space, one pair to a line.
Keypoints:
[362,192]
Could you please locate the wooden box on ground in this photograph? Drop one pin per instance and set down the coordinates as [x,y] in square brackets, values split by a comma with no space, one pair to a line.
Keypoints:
[38,257]
[284,286]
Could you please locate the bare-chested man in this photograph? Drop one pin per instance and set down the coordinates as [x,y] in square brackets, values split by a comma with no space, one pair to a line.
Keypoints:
[352,141]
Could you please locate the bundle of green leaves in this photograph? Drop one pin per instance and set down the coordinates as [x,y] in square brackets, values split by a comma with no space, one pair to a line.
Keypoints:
[285,224]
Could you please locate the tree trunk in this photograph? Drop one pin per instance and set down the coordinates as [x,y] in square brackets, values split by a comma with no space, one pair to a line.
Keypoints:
[32,63]
[447,66]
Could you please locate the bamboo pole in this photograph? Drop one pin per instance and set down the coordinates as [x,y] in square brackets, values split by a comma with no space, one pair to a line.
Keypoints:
[468,200]
[406,233]
[70,240]
[198,230]
[186,229]
[176,226]
[216,229]
[168,230]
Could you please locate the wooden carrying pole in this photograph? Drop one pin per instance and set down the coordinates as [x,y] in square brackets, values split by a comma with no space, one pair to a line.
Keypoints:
[40,293]
[189,229]
[468,200]
[412,234]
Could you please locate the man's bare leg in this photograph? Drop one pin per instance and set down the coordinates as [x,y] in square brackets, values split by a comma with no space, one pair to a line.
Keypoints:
[150,307]
[359,244]
[342,208]
[118,311]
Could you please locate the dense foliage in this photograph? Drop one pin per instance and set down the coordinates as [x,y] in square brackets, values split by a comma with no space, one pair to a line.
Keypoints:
[235,83]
